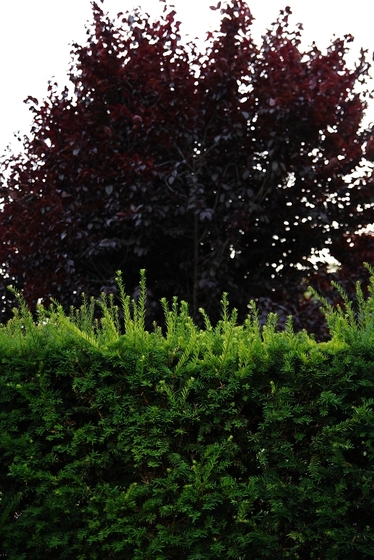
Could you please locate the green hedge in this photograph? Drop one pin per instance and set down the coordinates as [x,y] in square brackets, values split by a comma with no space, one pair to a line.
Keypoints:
[225,442]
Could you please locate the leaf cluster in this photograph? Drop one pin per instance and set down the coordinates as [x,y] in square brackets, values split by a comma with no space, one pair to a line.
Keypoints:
[219,442]
[215,171]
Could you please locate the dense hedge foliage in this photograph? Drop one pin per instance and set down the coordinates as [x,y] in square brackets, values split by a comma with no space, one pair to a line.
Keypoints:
[225,442]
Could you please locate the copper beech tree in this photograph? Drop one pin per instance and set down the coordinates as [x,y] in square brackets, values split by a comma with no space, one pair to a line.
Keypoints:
[215,171]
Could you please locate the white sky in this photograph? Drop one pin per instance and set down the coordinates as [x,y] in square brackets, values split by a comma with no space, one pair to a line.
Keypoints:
[36,35]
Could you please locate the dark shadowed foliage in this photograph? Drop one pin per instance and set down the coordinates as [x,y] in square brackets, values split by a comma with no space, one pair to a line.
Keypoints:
[215,171]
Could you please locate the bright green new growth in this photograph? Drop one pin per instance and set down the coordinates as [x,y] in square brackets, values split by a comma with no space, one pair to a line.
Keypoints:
[224,442]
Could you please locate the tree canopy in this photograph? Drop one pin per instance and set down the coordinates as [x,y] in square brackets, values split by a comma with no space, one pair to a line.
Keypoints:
[222,170]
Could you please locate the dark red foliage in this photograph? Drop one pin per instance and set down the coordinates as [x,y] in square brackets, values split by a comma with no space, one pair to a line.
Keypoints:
[215,172]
